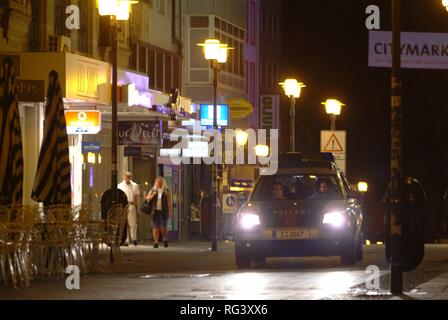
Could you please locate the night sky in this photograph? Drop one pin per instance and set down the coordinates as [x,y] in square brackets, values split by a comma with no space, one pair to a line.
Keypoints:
[326,47]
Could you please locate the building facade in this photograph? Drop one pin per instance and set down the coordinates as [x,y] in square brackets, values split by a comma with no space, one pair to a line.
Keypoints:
[163,76]
[149,72]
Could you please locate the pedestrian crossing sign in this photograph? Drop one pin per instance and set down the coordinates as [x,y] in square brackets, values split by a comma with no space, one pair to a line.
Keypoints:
[230,203]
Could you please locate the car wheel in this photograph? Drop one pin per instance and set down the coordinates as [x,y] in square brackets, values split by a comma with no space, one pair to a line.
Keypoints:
[242,256]
[359,254]
[348,257]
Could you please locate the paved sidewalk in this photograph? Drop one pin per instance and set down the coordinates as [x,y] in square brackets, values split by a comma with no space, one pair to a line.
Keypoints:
[190,271]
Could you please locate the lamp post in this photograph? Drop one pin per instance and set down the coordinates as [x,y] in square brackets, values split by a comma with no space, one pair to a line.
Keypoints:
[396,196]
[292,89]
[362,187]
[215,52]
[118,10]
[333,108]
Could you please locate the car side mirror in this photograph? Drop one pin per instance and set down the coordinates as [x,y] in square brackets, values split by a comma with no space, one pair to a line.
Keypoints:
[355,195]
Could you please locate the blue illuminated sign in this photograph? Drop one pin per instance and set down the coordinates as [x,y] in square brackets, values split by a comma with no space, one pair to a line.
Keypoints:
[207,115]
[94,147]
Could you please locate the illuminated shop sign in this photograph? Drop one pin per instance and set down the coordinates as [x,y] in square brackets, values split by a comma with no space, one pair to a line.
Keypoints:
[140,133]
[222,115]
[83,122]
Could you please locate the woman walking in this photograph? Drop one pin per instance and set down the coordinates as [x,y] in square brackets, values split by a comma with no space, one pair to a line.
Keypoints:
[163,210]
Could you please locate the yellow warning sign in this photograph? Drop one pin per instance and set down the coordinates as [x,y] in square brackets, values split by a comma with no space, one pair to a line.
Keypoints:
[333,145]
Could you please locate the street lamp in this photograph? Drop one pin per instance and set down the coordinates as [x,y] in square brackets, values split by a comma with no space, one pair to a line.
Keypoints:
[117,10]
[261,151]
[292,89]
[215,52]
[445,4]
[363,187]
[333,108]
[241,138]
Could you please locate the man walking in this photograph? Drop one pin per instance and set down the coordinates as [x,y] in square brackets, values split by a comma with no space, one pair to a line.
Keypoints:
[132,192]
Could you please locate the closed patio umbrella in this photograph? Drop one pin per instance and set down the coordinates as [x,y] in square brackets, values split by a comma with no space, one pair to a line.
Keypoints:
[11,153]
[52,181]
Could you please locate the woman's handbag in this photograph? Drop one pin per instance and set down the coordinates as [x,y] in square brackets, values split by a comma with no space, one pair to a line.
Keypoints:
[148,207]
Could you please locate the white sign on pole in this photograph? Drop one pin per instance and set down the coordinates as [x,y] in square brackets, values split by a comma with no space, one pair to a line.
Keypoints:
[230,202]
[418,50]
[335,142]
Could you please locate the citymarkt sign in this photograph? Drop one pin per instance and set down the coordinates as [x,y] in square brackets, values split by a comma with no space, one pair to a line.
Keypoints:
[418,50]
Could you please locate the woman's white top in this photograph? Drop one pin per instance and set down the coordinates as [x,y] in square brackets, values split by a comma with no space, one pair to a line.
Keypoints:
[159,199]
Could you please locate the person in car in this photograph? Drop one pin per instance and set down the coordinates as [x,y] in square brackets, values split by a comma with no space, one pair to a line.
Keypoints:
[325,189]
[278,191]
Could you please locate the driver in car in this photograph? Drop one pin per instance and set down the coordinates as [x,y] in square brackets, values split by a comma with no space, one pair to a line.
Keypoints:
[278,191]
[325,189]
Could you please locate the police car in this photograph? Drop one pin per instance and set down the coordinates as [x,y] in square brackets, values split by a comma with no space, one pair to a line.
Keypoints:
[308,208]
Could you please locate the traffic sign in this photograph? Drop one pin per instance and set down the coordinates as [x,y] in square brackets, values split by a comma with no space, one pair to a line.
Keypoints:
[336,143]
[230,203]
[240,108]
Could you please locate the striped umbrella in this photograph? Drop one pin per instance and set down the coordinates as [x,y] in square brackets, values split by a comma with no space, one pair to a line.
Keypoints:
[11,155]
[52,181]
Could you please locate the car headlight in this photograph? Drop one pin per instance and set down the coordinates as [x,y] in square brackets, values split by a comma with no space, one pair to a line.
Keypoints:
[249,220]
[335,219]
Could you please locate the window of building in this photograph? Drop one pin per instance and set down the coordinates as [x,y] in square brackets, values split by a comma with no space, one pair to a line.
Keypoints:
[159,71]
[199,22]
[83,32]
[60,17]
[252,22]
[276,28]
[176,73]
[151,67]
[168,73]
[263,73]
[264,23]
[160,6]
[217,23]
[133,57]
[252,92]
[142,60]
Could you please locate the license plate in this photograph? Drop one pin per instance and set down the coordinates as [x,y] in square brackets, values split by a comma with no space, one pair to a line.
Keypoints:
[295,234]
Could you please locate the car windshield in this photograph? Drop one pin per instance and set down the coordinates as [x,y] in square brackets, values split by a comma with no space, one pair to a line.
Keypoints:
[298,187]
